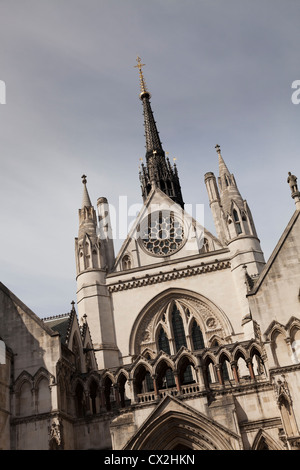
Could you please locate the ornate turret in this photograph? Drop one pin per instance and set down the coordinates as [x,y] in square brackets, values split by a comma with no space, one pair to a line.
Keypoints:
[235,228]
[87,247]
[236,212]
[158,171]
[94,257]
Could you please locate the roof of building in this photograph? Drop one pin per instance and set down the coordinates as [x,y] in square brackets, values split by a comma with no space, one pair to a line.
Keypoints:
[60,324]
[276,251]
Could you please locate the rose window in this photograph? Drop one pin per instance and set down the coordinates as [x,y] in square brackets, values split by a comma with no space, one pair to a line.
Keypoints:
[162,233]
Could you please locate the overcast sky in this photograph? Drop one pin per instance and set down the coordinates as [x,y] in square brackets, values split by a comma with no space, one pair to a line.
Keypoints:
[219,71]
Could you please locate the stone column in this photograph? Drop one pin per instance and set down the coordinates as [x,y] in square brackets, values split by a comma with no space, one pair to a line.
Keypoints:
[155,386]
[250,367]
[200,376]
[177,382]
[189,342]
[219,374]
[117,396]
[131,384]
[235,371]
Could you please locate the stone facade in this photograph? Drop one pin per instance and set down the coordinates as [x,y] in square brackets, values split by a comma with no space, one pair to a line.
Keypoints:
[184,341]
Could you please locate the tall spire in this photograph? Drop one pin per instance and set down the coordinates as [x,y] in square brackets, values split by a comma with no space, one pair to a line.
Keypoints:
[235,209]
[142,80]
[227,184]
[222,165]
[153,143]
[87,214]
[158,170]
[86,202]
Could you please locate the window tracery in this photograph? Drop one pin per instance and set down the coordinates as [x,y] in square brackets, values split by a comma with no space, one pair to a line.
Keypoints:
[126,262]
[186,322]
[197,337]
[163,342]
[178,329]
[161,233]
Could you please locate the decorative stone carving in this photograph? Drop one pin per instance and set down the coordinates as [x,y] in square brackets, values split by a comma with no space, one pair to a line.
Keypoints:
[167,276]
[55,434]
[146,336]
[292,180]
[282,391]
[211,323]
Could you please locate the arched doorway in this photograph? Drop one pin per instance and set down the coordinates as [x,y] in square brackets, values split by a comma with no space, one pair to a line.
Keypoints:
[175,430]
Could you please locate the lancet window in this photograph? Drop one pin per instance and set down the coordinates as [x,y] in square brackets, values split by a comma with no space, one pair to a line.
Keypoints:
[163,342]
[197,337]
[178,329]
[237,222]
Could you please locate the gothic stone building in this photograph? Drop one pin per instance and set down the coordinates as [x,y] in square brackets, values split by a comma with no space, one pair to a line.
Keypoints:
[184,340]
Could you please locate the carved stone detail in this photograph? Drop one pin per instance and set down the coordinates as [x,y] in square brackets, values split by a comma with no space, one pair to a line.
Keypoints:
[168,276]
[55,434]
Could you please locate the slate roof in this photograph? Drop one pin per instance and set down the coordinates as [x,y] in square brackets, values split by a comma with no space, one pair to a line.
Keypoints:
[60,324]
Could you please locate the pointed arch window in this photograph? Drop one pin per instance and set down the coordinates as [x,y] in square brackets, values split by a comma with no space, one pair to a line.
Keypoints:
[93,396]
[178,329]
[225,373]
[237,222]
[79,401]
[162,185]
[126,262]
[163,342]
[227,180]
[149,382]
[76,352]
[197,337]
[170,188]
[165,376]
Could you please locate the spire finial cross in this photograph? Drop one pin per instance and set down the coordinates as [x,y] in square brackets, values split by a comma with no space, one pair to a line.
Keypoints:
[84,179]
[139,65]
[142,81]
[218,148]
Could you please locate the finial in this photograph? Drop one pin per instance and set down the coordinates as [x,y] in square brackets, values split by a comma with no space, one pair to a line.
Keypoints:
[139,65]
[142,80]
[86,202]
[218,148]
[73,306]
[141,160]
